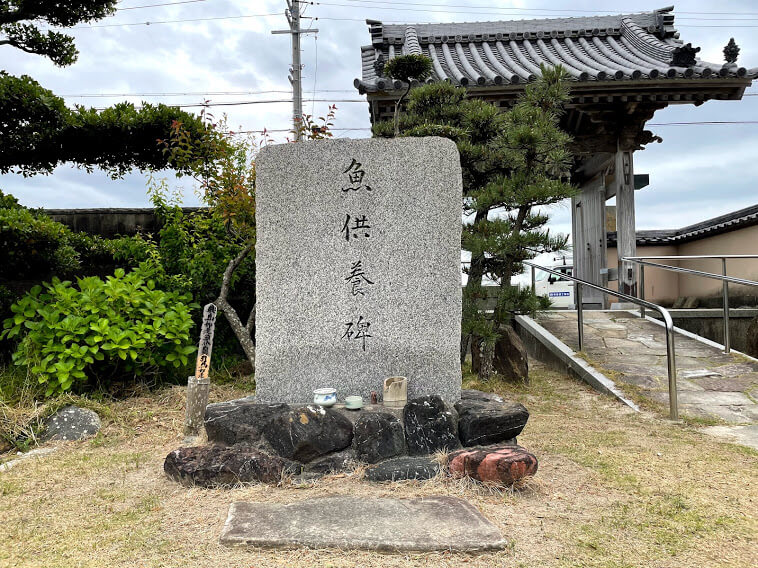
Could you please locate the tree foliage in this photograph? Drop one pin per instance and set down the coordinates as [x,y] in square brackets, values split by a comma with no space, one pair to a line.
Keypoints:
[407,68]
[225,178]
[38,132]
[34,247]
[514,163]
[20,21]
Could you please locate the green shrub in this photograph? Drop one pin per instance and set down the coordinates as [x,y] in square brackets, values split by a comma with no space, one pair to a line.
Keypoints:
[34,244]
[111,330]
[7,201]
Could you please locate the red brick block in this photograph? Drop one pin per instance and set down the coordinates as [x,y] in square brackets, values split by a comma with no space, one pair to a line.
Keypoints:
[498,464]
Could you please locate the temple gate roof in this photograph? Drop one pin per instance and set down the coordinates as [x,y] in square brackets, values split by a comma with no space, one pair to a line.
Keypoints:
[639,49]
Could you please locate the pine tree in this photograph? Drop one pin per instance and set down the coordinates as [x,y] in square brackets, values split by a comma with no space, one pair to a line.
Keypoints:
[407,68]
[38,132]
[19,21]
[514,164]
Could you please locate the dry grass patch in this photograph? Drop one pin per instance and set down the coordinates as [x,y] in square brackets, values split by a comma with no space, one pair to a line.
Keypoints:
[614,489]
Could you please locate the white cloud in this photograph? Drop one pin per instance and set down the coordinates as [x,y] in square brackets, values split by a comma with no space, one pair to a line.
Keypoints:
[711,168]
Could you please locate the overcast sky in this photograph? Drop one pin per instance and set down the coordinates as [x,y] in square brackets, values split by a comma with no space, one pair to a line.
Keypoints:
[696,173]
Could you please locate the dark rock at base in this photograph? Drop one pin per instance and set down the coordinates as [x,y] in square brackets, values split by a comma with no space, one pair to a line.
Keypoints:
[430,426]
[378,436]
[71,423]
[483,422]
[511,360]
[239,421]
[398,469]
[219,466]
[333,463]
[471,394]
[503,465]
[305,433]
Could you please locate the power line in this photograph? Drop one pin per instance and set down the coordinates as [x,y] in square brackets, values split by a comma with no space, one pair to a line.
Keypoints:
[198,93]
[242,103]
[261,102]
[329,18]
[702,123]
[553,10]
[381,3]
[697,123]
[266,130]
[91,26]
[493,10]
[501,14]
[157,5]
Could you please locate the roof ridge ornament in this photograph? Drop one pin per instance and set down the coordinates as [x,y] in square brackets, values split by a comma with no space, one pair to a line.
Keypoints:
[379,65]
[684,56]
[731,52]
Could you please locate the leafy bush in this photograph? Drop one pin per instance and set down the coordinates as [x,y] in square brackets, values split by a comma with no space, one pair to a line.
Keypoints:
[106,330]
[34,244]
[35,247]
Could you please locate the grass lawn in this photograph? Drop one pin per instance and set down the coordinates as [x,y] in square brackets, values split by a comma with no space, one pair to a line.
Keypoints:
[614,489]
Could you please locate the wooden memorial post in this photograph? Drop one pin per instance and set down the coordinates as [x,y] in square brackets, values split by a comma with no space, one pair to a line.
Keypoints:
[199,384]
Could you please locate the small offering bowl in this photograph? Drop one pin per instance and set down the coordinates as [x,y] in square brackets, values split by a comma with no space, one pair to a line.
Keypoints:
[325,396]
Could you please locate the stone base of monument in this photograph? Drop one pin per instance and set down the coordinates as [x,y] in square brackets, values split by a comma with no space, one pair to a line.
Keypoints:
[387,525]
[252,442]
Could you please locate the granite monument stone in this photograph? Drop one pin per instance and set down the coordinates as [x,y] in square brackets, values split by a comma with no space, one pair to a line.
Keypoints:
[358,267]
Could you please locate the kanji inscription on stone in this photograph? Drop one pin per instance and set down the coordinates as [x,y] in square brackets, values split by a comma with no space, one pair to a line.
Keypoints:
[358,267]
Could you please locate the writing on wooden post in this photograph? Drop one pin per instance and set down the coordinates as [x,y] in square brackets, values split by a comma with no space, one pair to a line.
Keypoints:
[203,366]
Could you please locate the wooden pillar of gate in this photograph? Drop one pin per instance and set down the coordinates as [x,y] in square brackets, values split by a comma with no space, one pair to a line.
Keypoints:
[625,220]
[589,243]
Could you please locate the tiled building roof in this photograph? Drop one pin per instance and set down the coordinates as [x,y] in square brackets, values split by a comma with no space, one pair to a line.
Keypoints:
[621,48]
[722,224]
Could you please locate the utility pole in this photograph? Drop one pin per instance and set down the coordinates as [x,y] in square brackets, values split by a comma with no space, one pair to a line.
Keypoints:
[293,17]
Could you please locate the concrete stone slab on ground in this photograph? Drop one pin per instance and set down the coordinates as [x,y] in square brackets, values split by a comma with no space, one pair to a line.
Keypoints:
[35,453]
[389,525]
[744,435]
[711,384]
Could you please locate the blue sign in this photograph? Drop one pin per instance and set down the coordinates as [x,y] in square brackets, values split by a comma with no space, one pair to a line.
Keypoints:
[558,294]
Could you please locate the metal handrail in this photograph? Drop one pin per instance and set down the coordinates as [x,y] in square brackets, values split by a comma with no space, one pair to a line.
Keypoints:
[643,262]
[667,321]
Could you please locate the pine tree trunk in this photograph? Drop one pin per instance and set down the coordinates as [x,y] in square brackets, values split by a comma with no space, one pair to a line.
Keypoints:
[397,109]
[505,282]
[465,341]
[487,361]
[476,268]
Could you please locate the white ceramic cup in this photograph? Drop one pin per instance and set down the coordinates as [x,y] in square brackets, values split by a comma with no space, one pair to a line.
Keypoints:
[325,396]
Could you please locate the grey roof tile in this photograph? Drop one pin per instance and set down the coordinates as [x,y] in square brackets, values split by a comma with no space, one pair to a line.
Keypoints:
[636,47]
[723,223]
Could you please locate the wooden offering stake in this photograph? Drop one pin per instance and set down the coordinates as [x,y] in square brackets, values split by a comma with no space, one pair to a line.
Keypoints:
[206,342]
[198,385]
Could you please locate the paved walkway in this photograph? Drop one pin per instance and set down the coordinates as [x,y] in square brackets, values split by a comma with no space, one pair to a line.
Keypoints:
[631,351]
